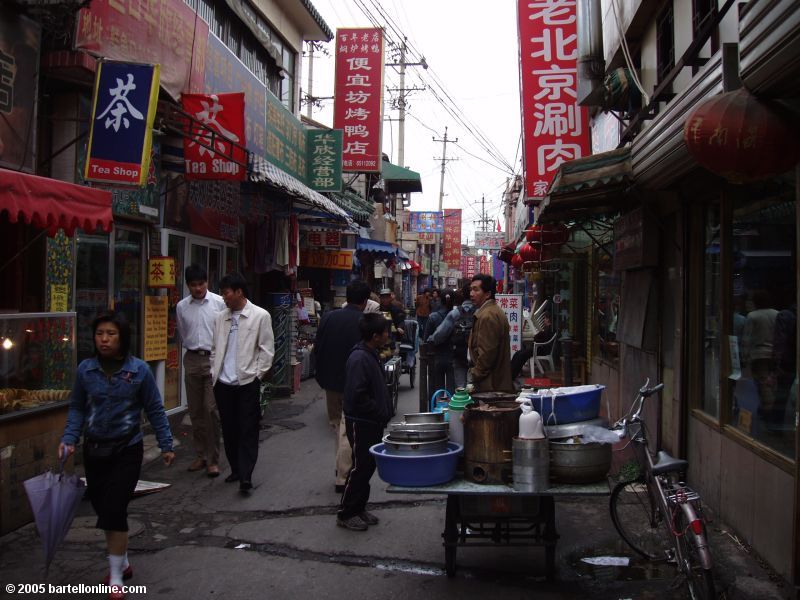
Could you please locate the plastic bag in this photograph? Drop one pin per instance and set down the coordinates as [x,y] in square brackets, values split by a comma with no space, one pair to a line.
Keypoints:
[600,435]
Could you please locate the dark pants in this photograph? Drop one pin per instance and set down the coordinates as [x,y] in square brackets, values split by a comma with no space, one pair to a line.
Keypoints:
[519,359]
[443,375]
[110,484]
[240,416]
[362,435]
[421,323]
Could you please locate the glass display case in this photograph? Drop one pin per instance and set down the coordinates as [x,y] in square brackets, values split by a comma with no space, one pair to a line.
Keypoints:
[37,361]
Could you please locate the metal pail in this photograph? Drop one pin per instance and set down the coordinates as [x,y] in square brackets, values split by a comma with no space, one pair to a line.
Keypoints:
[531,464]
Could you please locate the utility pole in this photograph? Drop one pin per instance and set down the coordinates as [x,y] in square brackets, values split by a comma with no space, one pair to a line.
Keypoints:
[401,102]
[310,105]
[444,141]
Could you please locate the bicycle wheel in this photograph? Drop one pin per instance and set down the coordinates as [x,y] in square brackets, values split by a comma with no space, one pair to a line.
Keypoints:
[638,521]
[700,580]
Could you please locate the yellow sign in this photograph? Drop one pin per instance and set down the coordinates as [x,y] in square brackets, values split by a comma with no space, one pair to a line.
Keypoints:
[155,327]
[341,260]
[59,297]
[161,272]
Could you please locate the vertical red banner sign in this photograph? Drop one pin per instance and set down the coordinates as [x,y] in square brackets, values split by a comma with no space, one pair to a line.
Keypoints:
[485,265]
[554,128]
[358,103]
[207,149]
[469,266]
[452,238]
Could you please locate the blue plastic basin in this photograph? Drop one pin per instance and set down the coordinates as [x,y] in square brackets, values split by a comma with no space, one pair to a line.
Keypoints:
[416,470]
[569,408]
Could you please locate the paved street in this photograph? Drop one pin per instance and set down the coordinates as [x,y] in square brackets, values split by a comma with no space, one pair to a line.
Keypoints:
[201,539]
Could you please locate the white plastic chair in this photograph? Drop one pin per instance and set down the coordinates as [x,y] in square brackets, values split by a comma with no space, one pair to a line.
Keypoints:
[536,360]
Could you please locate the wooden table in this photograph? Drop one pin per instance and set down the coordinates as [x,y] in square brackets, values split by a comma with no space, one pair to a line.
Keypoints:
[488,515]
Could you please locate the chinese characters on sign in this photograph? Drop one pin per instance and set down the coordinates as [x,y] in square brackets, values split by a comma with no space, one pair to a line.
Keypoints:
[555,128]
[327,259]
[213,147]
[163,32]
[19,56]
[155,327]
[427,222]
[489,240]
[451,253]
[485,265]
[120,135]
[469,266]
[324,160]
[358,104]
[317,239]
[161,272]
[511,304]
[427,238]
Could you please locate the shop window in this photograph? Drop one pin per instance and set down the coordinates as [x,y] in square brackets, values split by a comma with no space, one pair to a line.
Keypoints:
[22,268]
[607,304]
[763,367]
[91,286]
[128,252]
[711,318]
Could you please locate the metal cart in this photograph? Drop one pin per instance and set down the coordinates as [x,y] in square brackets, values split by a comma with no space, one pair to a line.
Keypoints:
[490,515]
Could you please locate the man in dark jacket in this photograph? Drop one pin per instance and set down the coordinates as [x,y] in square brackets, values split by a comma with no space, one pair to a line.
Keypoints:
[336,336]
[366,412]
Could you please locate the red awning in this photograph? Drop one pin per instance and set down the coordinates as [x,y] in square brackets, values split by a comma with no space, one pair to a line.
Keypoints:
[52,204]
[415,265]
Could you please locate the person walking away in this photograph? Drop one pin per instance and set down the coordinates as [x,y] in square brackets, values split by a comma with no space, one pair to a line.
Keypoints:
[111,390]
[439,339]
[366,411]
[423,310]
[241,357]
[197,314]
[337,334]
[489,343]
[525,353]
[458,326]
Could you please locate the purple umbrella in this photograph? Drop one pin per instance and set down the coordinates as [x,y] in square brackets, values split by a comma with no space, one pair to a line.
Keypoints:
[54,498]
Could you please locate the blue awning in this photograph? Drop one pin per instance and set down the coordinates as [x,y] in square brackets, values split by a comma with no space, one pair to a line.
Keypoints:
[376,247]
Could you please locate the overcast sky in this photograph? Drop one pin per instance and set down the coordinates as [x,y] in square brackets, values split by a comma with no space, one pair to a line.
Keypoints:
[471,49]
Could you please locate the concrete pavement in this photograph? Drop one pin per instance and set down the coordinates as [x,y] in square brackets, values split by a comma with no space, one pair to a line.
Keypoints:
[201,538]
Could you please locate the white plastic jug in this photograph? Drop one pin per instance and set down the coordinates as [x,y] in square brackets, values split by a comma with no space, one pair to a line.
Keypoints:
[530,423]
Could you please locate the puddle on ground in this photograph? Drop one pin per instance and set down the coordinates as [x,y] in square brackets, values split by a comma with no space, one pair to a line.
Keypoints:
[638,569]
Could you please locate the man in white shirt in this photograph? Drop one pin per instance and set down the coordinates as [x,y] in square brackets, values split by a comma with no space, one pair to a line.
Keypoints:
[241,356]
[197,314]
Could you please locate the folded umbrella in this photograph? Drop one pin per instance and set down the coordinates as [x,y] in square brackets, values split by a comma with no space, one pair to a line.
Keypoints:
[54,499]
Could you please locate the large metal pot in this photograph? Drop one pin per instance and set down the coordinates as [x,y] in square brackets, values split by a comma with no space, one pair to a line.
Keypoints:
[492,397]
[579,463]
[409,434]
[429,417]
[421,448]
[488,432]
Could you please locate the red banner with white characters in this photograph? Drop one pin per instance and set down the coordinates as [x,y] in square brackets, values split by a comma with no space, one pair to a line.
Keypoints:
[207,150]
[555,129]
[485,265]
[452,238]
[469,266]
[358,103]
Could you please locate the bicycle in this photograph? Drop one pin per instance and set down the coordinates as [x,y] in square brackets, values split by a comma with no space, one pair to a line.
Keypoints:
[656,513]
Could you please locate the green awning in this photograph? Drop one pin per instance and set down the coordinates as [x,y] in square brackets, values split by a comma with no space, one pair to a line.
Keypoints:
[588,186]
[353,204]
[400,180]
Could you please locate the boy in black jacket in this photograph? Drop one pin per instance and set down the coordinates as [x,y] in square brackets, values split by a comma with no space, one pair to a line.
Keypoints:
[366,412]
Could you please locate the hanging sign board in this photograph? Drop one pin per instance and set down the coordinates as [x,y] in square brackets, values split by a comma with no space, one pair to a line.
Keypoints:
[324,160]
[213,146]
[327,259]
[121,130]
[161,272]
[511,305]
[155,327]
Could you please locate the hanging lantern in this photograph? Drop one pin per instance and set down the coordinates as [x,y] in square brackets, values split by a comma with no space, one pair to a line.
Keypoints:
[516,261]
[741,137]
[546,234]
[529,252]
[507,252]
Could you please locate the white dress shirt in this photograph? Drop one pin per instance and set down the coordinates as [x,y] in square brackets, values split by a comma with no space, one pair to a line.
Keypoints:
[196,320]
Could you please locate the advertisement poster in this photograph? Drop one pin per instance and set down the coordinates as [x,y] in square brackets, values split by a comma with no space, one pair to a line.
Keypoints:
[490,240]
[358,93]
[554,128]
[121,129]
[214,144]
[209,208]
[511,304]
[155,328]
[426,222]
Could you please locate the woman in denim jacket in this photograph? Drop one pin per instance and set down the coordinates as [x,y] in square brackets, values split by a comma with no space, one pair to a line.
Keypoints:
[111,390]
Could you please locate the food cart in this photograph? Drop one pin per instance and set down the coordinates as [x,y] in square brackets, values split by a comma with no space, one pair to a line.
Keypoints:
[496,514]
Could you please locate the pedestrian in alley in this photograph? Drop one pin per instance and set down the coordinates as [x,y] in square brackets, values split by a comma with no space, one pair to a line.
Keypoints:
[367,411]
[197,314]
[525,353]
[241,358]
[489,342]
[111,390]
[423,309]
[456,327]
[337,334]
[395,309]
[442,375]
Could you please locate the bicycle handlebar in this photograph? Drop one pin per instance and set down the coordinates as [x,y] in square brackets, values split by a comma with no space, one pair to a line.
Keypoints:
[644,392]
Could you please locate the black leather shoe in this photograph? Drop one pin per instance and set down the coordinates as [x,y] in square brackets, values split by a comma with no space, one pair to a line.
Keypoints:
[244,485]
[232,477]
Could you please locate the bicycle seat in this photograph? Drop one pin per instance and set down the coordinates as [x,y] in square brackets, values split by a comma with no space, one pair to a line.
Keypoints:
[665,463]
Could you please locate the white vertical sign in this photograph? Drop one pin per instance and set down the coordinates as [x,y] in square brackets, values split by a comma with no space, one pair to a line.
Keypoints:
[511,304]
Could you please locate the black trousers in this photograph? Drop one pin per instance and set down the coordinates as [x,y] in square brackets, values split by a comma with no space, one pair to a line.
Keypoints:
[110,485]
[362,435]
[519,359]
[240,417]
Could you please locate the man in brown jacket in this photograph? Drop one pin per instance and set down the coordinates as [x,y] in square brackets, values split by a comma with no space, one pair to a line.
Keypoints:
[489,342]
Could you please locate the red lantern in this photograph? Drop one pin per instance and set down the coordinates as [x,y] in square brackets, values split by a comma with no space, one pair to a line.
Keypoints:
[516,261]
[741,137]
[529,252]
[546,234]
